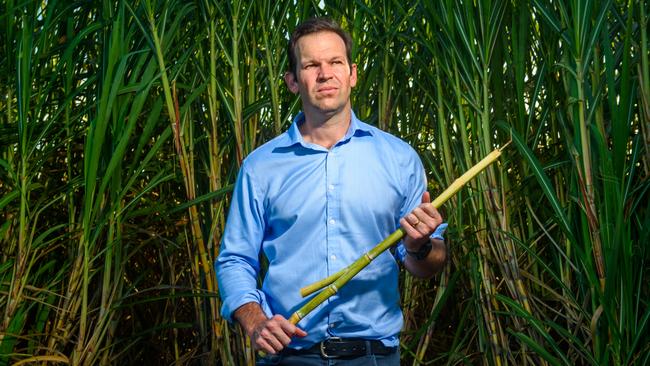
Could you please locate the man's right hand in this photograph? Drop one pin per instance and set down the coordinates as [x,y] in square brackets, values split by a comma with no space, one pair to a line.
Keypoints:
[268,335]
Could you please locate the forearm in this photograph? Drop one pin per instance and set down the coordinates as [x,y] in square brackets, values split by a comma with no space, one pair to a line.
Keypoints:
[432,264]
[249,316]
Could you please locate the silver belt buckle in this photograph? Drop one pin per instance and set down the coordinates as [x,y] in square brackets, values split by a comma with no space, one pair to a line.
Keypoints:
[322,347]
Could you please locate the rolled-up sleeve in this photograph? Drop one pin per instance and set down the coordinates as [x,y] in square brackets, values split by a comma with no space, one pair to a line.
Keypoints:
[413,185]
[237,265]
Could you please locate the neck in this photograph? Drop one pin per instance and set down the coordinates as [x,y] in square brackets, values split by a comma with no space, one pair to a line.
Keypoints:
[325,131]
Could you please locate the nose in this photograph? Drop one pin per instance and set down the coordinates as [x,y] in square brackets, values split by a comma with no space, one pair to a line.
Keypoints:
[324,72]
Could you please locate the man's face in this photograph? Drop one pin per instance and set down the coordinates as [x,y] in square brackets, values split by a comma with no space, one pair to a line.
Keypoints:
[324,77]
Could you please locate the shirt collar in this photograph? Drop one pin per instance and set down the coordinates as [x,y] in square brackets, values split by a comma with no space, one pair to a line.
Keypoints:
[357,128]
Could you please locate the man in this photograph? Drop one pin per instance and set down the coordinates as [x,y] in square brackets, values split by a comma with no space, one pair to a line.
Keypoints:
[313,200]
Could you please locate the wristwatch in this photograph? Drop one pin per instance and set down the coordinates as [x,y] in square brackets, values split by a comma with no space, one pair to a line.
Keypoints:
[421,253]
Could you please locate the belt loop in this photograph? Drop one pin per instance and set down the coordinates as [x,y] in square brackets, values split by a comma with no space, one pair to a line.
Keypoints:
[369,350]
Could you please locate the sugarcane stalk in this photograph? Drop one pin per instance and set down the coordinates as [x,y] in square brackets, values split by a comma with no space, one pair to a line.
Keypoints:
[310,289]
[339,279]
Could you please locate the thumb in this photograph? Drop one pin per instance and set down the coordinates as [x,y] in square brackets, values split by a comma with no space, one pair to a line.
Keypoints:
[426,197]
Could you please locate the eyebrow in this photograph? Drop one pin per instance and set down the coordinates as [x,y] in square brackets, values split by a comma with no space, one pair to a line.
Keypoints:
[312,60]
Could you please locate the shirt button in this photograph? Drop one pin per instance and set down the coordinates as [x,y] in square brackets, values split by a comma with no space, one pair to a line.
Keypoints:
[331,325]
[333,257]
[332,221]
[330,187]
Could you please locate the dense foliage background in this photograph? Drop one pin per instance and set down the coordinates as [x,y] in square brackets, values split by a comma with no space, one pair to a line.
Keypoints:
[123,124]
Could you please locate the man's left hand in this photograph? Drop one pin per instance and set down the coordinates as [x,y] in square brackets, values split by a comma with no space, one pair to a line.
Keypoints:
[420,224]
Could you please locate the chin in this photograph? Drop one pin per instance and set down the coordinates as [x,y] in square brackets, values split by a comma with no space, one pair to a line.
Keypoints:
[332,106]
[329,110]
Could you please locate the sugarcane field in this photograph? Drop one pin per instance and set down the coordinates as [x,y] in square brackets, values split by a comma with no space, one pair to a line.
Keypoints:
[228,182]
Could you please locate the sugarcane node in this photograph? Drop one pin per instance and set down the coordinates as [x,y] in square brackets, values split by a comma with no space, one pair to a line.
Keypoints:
[295,318]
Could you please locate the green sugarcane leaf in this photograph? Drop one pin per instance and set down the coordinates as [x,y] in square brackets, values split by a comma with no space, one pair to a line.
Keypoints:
[574,341]
[8,198]
[581,11]
[244,19]
[570,298]
[123,138]
[535,346]
[542,179]
[4,228]
[6,266]
[4,164]
[467,43]
[155,181]
[152,121]
[594,33]
[142,167]
[435,312]
[16,324]
[552,20]
[214,195]
[41,238]
[537,325]
[640,335]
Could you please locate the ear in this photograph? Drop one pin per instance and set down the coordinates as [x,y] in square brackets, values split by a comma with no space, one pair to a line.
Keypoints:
[353,75]
[292,83]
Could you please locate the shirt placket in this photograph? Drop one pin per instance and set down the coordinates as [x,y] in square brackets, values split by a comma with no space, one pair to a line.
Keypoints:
[333,213]
[333,223]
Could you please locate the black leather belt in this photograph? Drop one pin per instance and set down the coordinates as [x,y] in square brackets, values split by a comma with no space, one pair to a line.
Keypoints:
[344,347]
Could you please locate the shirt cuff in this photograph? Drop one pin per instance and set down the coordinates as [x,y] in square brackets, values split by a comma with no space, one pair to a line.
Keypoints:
[257,296]
[440,232]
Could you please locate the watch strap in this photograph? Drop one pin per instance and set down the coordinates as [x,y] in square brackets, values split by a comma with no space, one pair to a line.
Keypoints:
[421,253]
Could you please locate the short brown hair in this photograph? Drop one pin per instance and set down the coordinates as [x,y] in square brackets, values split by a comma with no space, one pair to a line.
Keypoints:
[315,25]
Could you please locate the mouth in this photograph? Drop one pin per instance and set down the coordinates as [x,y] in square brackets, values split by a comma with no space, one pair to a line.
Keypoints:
[327,89]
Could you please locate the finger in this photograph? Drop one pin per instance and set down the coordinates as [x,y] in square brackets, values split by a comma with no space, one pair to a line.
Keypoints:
[431,213]
[262,345]
[278,333]
[275,343]
[413,219]
[426,223]
[426,197]
[289,328]
[267,335]
[409,229]
[300,333]
[429,209]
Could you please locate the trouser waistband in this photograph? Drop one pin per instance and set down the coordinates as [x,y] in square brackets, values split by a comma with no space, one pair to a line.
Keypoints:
[344,347]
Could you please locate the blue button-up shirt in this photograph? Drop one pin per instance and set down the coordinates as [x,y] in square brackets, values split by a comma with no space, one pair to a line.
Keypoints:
[312,212]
